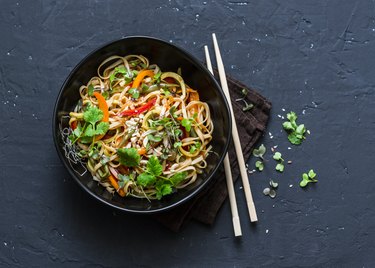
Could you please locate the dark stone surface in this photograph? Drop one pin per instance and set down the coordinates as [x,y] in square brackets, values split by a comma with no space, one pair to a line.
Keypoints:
[313,57]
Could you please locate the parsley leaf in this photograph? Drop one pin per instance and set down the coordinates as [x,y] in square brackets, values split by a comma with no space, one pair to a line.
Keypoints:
[128,157]
[92,115]
[177,144]
[154,167]
[146,179]
[178,177]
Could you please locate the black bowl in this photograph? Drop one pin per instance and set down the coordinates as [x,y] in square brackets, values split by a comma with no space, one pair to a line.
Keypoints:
[169,58]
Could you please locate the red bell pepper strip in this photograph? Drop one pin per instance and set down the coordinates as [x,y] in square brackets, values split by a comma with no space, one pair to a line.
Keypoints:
[139,110]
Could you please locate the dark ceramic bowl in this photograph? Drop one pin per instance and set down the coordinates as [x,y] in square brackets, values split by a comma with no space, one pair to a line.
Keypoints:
[169,58]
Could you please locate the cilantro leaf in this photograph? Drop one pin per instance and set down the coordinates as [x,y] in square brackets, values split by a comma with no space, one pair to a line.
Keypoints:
[128,157]
[146,179]
[162,190]
[294,139]
[102,128]
[178,177]
[154,167]
[292,117]
[194,147]
[91,90]
[92,115]
[89,131]
[186,123]
[288,126]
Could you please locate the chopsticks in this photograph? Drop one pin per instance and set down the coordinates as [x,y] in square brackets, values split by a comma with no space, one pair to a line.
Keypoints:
[236,139]
[228,173]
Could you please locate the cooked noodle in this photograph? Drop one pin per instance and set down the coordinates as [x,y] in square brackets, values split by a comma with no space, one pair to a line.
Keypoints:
[140,131]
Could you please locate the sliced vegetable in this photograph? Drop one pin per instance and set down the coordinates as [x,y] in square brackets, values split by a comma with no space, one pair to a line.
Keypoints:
[139,110]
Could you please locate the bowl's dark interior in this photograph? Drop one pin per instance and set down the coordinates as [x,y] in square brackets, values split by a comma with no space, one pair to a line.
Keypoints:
[169,58]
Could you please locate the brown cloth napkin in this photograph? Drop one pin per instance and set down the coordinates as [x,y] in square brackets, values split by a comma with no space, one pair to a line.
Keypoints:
[251,125]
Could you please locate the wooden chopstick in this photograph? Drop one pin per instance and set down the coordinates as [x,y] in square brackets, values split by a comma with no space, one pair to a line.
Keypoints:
[236,138]
[228,173]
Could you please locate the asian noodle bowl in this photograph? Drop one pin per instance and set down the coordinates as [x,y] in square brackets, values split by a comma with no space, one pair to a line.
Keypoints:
[141,132]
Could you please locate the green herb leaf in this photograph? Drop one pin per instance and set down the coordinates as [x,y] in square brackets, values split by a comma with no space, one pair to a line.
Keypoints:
[146,179]
[153,138]
[312,174]
[301,129]
[303,183]
[177,144]
[134,92]
[89,132]
[259,165]
[157,77]
[194,147]
[128,157]
[288,126]
[186,123]
[91,90]
[102,128]
[122,180]
[163,190]
[154,167]
[294,139]
[280,167]
[305,177]
[292,117]
[178,177]
[260,151]
[92,115]
[277,156]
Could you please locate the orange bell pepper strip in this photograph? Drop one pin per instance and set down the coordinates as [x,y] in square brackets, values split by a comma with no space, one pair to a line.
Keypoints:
[142,74]
[115,185]
[103,106]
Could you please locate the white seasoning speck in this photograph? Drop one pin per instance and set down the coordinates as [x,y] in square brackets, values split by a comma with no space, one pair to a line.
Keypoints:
[290,162]
[289,148]
[241,188]
[283,109]
[290,185]
[308,132]
[267,231]
[5,244]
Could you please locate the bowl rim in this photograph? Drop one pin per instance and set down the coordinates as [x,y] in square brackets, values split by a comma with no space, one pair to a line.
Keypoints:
[201,67]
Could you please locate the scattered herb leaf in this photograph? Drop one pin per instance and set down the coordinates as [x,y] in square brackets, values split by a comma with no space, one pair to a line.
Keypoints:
[128,157]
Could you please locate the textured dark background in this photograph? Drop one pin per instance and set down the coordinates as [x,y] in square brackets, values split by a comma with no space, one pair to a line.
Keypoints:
[313,57]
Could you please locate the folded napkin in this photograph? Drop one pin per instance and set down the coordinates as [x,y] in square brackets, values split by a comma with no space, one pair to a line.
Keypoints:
[251,124]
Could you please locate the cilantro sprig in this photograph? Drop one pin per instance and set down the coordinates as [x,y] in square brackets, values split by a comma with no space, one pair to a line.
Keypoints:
[152,176]
[296,133]
[91,127]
